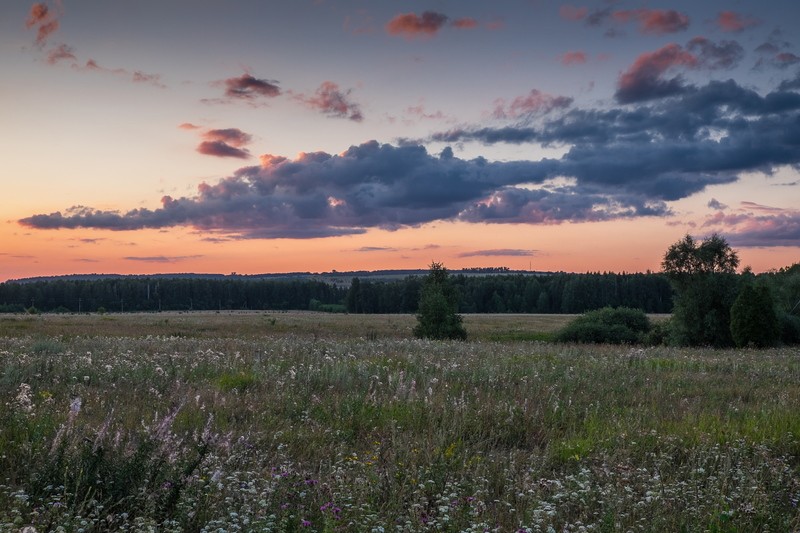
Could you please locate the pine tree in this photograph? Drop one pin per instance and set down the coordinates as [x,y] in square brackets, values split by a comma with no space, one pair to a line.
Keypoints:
[437,315]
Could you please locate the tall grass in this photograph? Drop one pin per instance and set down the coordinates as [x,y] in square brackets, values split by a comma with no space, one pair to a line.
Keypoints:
[281,432]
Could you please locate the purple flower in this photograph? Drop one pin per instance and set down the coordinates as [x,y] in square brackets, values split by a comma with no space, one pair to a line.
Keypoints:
[305,523]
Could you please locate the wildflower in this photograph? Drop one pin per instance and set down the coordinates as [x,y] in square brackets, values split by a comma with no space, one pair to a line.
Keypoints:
[24,398]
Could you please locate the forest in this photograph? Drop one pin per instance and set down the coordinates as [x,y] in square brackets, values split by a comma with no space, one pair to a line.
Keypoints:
[505,293]
[499,293]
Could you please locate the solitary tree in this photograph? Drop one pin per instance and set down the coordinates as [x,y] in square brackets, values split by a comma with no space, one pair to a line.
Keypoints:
[437,315]
[704,277]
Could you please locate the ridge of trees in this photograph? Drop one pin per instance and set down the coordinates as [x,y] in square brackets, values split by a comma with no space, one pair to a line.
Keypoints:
[495,293]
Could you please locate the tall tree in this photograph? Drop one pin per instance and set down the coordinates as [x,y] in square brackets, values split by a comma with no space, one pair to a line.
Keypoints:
[437,315]
[704,277]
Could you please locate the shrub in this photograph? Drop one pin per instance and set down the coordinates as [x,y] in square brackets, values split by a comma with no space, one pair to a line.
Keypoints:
[619,325]
[658,334]
[753,318]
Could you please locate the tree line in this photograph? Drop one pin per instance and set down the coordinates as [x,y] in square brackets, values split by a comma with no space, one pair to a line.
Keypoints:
[497,293]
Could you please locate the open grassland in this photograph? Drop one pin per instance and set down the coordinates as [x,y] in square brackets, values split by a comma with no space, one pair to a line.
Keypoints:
[248,324]
[207,422]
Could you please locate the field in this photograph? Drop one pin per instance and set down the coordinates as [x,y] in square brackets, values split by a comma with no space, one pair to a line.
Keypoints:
[315,422]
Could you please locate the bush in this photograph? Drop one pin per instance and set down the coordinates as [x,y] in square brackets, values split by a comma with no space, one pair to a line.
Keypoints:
[753,318]
[609,325]
[658,334]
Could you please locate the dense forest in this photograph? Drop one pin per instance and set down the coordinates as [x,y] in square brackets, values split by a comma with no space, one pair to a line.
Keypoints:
[497,293]
[504,293]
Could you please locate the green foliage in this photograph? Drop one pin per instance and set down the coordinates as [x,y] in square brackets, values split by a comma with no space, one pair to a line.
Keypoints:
[703,275]
[658,334]
[239,381]
[753,318]
[609,325]
[790,328]
[437,316]
[688,257]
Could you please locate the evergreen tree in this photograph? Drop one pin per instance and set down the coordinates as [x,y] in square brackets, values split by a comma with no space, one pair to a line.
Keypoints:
[437,315]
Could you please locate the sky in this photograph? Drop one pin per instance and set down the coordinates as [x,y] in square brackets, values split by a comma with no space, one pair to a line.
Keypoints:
[317,135]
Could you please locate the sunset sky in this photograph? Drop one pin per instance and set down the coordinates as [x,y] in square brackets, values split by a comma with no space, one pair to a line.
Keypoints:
[315,135]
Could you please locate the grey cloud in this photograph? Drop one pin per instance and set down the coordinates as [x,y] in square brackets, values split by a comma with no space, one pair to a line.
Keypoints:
[504,252]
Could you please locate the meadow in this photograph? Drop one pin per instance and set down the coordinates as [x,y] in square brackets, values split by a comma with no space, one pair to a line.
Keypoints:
[315,422]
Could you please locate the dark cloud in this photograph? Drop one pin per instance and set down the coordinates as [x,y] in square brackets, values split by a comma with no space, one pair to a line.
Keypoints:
[650,21]
[505,252]
[626,161]
[654,21]
[533,103]
[222,149]
[731,21]
[754,225]
[411,25]
[368,249]
[722,55]
[647,78]
[716,204]
[776,52]
[162,258]
[330,100]
[657,152]
[231,136]
[644,80]
[247,87]
[368,186]
[223,142]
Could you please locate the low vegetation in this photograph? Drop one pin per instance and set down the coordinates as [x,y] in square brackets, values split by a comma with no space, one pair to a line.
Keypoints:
[315,428]
[609,325]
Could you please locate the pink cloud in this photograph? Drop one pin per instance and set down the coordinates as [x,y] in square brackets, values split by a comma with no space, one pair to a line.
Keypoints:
[222,142]
[654,21]
[136,76]
[730,21]
[643,80]
[419,112]
[222,149]
[332,101]
[465,23]
[573,58]
[535,102]
[411,25]
[568,12]
[60,53]
[232,136]
[43,19]
[248,87]
[758,225]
